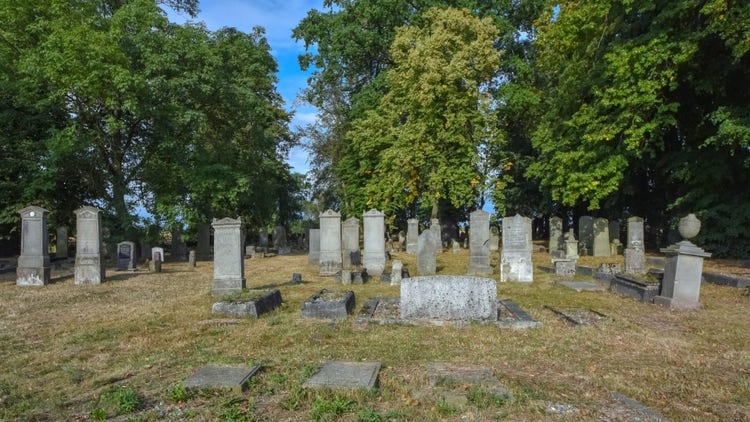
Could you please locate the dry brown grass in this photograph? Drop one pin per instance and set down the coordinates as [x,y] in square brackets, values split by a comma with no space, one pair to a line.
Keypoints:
[62,346]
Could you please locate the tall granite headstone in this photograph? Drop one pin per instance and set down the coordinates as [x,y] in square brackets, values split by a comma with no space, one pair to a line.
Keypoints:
[350,241]
[515,258]
[203,252]
[426,254]
[33,264]
[586,234]
[556,241]
[412,234]
[125,256]
[374,255]
[229,263]
[313,253]
[494,239]
[89,266]
[330,243]
[479,248]
[61,242]
[601,237]
[635,233]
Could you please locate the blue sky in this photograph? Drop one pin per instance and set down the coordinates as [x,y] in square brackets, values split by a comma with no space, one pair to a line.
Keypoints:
[278,18]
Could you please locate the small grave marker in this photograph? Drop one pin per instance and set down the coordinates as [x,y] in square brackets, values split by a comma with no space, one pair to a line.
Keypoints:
[345,375]
[221,377]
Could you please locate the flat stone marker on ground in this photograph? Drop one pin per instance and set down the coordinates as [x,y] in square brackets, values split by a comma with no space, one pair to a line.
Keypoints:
[452,381]
[627,409]
[581,286]
[579,316]
[346,375]
[221,377]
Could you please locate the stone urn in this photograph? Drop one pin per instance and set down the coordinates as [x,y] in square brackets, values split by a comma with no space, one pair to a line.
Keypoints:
[689,226]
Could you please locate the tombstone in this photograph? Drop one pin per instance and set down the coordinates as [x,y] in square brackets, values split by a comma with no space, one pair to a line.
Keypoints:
[614,247]
[635,260]
[349,240]
[515,258]
[374,242]
[125,256]
[479,243]
[571,245]
[683,269]
[601,237]
[89,266]
[412,236]
[179,248]
[449,298]
[229,263]
[614,231]
[635,233]
[33,264]
[191,259]
[437,231]
[279,240]
[396,268]
[426,254]
[330,243]
[157,254]
[203,253]
[61,243]
[313,253]
[401,241]
[556,240]
[262,239]
[494,239]
[586,234]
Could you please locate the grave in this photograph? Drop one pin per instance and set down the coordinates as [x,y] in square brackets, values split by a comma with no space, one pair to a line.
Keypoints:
[564,267]
[396,269]
[125,256]
[639,289]
[412,235]
[33,267]
[374,242]
[157,254]
[328,304]
[350,241]
[426,253]
[249,303]
[581,286]
[204,243]
[494,239]
[437,234]
[179,248]
[556,238]
[449,298]
[479,237]
[579,316]
[635,233]
[345,375]
[313,254]
[601,237]
[452,381]
[229,265]
[191,259]
[330,243]
[614,231]
[231,378]
[262,239]
[515,258]
[89,265]
[586,234]
[61,242]
[279,240]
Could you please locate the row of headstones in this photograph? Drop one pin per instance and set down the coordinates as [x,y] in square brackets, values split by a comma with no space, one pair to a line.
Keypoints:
[597,236]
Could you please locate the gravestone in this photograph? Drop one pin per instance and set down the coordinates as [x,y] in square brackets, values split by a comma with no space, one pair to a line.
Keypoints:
[571,245]
[515,258]
[556,240]
[157,254]
[191,259]
[229,263]
[61,242]
[330,243]
[449,298]
[125,256]
[89,266]
[401,241]
[262,239]
[426,254]
[349,241]
[412,235]
[233,378]
[279,240]
[396,268]
[438,234]
[374,254]
[479,248]
[614,247]
[33,267]
[635,233]
[586,234]
[345,375]
[179,248]
[494,239]
[614,231]
[328,304]
[313,253]
[601,237]
[203,252]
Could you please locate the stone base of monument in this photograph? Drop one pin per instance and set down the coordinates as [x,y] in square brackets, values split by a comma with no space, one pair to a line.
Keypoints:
[328,304]
[345,375]
[252,303]
[39,276]
[637,289]
[231,378]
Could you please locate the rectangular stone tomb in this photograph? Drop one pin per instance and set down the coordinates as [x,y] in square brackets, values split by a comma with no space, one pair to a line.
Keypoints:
[726,280]
[249,303]
[328,304]
[579,316]
[345,375]
[449,298]
[221,377]
[637,289]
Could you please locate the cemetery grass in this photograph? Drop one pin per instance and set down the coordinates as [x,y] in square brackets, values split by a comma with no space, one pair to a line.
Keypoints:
[121,350]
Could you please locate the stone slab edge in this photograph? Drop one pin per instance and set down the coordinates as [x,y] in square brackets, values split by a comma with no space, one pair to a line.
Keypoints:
[726,280]
[638,407]
[235,388]
[370,383]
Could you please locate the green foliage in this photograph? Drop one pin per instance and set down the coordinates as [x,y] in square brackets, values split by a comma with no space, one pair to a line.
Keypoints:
[446,409]
[328,408]
[483,398]
[179,394]
[118,400]
[369,415]
[235,409]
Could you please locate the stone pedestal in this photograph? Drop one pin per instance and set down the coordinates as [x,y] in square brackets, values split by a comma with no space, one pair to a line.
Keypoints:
[374,256]
[330,243]
[683,271]
[89,266]
[571,246]
[33,263]
[229,265]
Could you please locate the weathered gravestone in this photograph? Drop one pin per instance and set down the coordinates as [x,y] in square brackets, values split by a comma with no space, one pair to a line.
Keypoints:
[555,234]
[33,264]
[635,255]
[179,248]
[191,258]
[635,233]
[350,241]
[229,265]
[89,266]
[330,243]
[438,234]
[614,231]
[515,258]
[479,248]
[449,298]
[328,304]
[426,254]
[346,375]
[586,234]
[203,253]
[313,253]
[601,237]
[279,240]
[412,235]
[125,256]
[262,239]
[233,378]
[494,239]
[61,242]
[157,254]
[396,268]
[374,256]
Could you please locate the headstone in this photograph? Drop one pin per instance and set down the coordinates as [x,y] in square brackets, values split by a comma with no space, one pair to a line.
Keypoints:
[565,267]
[374,244]
[635,233]
[426,254]
[601,237]
[349,240]
[61,243]
[412,236]
[89,266]
[191,259]
[438,234]
[204,242]
[328,304]
[346,277]
[635,259]
[556,240]
[479,248]
[229,263]
[571,245]
[179,248]
[279,240]
[449,298]
[494,239]
[262,239]
[401,241]
[33,264]
[396,268]
[313,253]
[157,253]
[515,258]
[125,256]
[586,234]
[346,375]
[614,247]
[614,231]
[330,243]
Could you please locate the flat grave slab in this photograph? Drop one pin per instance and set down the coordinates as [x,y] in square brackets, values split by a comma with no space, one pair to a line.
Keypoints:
[462,376]
[221,377]
[345,375]
[579,316]
[626,409]
[328,304]
[581,286]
